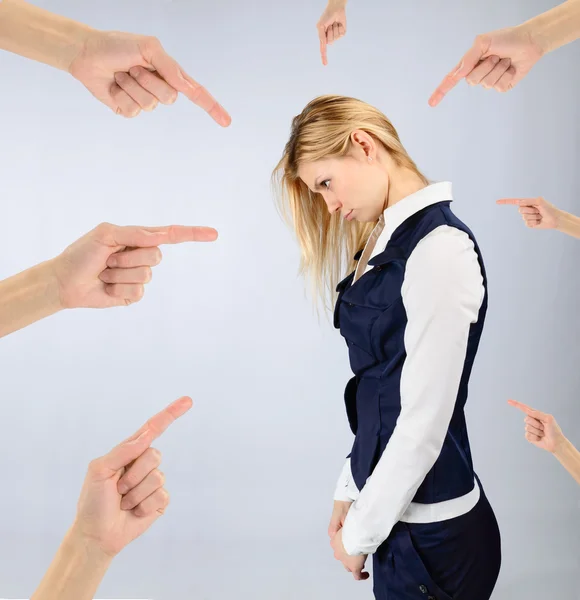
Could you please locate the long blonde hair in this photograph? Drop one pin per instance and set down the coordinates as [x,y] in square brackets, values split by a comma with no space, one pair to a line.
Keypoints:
[323,130]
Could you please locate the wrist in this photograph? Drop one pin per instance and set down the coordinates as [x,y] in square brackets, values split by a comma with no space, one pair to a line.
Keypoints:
[559,218]
[47,274]
[563,445]
[76,543]
[538,33]
[337,4]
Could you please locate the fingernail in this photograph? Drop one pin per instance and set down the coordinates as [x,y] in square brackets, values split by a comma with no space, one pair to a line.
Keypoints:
[123,488]
[112,262]
[134,72]
[119,76]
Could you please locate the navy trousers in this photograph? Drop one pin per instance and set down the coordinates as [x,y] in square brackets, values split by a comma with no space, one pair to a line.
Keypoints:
[457,559]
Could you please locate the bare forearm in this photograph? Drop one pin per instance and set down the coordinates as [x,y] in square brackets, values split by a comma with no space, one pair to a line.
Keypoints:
[28,297]
[569,457]
[568,223]
[556,27]
[75,573]
[40,35]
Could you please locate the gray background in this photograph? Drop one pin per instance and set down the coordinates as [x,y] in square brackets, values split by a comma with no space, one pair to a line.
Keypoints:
[252,467]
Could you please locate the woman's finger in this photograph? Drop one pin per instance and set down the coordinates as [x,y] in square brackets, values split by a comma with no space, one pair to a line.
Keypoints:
[534,430]
[534,422]
[532,437]
[336,31]
[139,470]
[496,74]
[126,106]
[154,481]
[137,275]
[138,257]
[329,35]
[528,210]
[127,293]
[156,503]
[154,85]
[142,97]
[506,81]
[483,69]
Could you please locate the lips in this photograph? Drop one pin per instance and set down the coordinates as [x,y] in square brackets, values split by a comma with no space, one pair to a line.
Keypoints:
[348,215]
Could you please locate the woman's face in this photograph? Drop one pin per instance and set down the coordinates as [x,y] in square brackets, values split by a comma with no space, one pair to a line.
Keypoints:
[352,185]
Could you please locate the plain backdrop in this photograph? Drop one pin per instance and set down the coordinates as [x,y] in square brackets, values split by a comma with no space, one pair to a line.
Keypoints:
[251,469]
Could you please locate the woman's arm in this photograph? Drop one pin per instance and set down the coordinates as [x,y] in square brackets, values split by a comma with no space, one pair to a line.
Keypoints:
[442,293]
[40,35]
[76,571]
[556,27]
[28,297]
[569,458]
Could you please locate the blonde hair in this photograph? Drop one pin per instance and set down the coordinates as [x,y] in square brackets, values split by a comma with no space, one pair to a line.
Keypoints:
[323,130]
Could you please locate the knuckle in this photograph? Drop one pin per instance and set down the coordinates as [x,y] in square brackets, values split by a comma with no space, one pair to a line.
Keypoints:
[144,76]
[155,455]
[103,228]
[96,466]
[151,43]
[160,478]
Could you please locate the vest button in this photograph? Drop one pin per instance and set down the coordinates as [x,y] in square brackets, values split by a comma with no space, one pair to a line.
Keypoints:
[379,268]
[350,304]
[423,589]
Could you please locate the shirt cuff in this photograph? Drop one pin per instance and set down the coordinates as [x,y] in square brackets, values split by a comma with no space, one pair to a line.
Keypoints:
[349,541]
[346,490]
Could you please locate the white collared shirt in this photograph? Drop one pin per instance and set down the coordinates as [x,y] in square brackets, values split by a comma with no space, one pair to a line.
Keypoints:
[442,293]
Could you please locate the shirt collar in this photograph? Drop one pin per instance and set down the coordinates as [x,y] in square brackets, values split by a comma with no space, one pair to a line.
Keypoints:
[404,209]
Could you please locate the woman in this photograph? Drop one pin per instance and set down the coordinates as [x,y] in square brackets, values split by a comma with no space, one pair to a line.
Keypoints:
[543,431]
[412,313]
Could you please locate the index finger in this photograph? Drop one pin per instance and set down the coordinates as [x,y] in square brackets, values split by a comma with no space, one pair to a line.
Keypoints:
[156,425]
[518,201]
[147,237]
[169,69]
[133,447]
[465,66]
[322,37]
[523,407]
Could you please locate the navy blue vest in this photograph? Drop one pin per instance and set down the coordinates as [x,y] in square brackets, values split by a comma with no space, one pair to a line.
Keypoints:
[371,317]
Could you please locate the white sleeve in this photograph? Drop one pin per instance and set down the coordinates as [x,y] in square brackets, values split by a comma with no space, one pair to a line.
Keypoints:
[442,294]
[346,489]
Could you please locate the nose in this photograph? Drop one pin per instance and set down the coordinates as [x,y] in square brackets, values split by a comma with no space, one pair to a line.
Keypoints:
[333,205]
